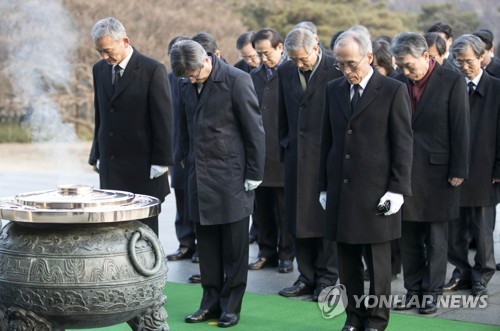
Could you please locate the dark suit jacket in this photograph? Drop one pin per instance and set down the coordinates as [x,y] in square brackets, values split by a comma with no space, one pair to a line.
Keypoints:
[493,68]
[133,126]
[440,148]
[223,142]
[478,191]
[176,171]
[243,65]
[364,154]
[267,93]
[299,132]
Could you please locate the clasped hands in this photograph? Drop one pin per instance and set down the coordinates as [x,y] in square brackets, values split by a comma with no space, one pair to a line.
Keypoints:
[396,201]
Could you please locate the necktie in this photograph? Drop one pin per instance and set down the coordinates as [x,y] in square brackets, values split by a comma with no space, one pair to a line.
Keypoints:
[117,76]
[471,87]
[355,96]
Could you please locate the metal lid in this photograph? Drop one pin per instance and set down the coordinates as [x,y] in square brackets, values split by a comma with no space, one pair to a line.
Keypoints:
[78,204]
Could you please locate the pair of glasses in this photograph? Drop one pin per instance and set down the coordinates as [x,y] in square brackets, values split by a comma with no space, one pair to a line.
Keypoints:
[461,63]
[301,59]
[352,65]
[194,76]
[250,57]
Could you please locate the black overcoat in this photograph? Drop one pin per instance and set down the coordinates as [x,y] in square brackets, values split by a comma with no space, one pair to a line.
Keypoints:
[299,133]
[133,126]
[224,143]
[363,156]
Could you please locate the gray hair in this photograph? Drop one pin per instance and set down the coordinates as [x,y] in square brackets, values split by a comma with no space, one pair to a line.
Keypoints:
[308,25]
[300,38]
[364,43]
[186,56]
[361,29]
[409,43]
[109,26]
[462,43]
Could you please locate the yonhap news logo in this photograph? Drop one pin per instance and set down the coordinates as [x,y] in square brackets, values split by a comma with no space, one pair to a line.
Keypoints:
[332,301]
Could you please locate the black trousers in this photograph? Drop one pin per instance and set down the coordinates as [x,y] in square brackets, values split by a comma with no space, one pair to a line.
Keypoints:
[317,261]
[378,260]
[424,249]
[477,223]
[274,241]
[223,251]
[152,222]
[184,228]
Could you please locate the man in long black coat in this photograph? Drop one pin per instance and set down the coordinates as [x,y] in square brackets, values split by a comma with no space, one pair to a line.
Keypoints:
[132,144]
[223,148]
[478,195]
[302,82]
[366,156]
[440,124]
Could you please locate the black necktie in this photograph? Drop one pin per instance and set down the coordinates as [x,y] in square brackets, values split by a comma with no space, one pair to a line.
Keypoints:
[471,87]
[117,76]
[355,96]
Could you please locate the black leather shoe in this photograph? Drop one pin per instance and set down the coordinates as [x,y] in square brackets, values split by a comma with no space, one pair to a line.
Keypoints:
[317,291]
[180,254]
[285,267]
[227,320]
[349,328]
[196,278]
[195,258]
[456,285]
[262,262]
[428,308]
[411,301]
[298,289]
[201,315]
[371,329]
[478,289]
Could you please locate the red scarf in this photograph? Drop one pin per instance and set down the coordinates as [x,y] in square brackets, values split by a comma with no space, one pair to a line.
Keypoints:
[416,89]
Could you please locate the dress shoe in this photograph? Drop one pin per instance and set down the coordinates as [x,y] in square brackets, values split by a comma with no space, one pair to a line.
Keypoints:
[285,267]
[317,290]
[196,278]
[226,320]
[428,308]
[299,288]
[411,301]
[498,266]
[180,254]
[456,284]
[252,239]
[478,289]
[201,315]
[349,328]
[262,262]
[195,258]
[371,329]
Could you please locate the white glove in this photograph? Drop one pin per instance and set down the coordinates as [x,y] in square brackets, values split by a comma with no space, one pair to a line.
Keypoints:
[322,199]
[251,184]
[97,164]
[157,171]
[396,200]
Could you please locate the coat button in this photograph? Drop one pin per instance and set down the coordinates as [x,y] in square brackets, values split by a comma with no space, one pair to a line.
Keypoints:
[349,131]
[347,157]
[301,132]
[346,180]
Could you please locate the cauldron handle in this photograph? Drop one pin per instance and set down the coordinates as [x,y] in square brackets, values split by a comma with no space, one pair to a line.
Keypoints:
[133,255]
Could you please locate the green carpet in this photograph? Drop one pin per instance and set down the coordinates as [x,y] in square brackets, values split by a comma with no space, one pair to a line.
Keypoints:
[272,312]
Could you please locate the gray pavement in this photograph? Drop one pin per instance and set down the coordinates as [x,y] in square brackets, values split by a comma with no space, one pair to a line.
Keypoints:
[21,179]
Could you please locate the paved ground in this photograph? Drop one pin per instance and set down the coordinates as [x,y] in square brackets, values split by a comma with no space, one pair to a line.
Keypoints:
[27,168]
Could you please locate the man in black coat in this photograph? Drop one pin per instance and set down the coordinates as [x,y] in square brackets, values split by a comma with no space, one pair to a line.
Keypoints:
[132,144]
[275,243]
[440,124]
[366,157]
[490,63]
[302,82]
[223,149]
[478,195]
[249,57]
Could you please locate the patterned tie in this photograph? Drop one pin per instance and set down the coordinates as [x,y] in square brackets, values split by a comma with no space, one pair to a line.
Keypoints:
[117,76]
[472,87]
[355,96]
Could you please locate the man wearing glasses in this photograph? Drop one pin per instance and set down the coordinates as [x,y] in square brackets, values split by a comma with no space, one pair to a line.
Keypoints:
[366,156]
[440,124]
[302,82]
[249,57]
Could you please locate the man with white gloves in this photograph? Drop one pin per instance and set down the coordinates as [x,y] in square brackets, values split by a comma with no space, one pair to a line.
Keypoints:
[365,167]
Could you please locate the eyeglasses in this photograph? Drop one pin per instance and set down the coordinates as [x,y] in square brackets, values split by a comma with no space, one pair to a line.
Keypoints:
[301,59]
[460,63]
[194,77]
[250,57]
[350,64]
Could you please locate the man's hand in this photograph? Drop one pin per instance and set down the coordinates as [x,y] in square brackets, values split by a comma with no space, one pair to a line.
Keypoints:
[455,181]
[95,167]
[396,201]
[157,171]
[322,199]
[251,184]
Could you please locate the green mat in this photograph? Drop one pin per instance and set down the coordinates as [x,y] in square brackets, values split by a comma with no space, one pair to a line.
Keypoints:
[272,312]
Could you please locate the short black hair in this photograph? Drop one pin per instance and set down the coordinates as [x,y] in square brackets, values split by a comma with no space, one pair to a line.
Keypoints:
[207,41]
[486,36]
[268,34]
[244,39]
[442,27]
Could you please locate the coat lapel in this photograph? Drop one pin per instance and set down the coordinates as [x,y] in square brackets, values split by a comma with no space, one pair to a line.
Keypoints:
[430,90]
[106,79]
[369,94]
[129,75]
[343,94]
